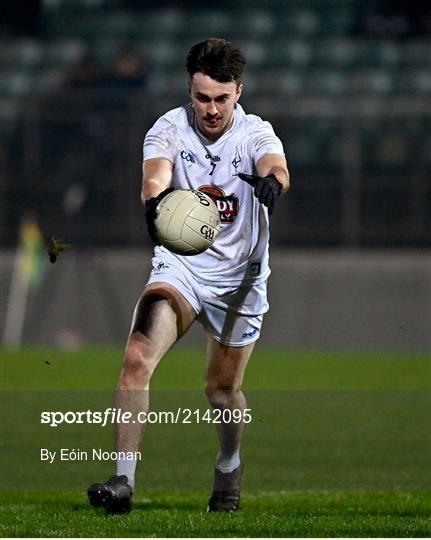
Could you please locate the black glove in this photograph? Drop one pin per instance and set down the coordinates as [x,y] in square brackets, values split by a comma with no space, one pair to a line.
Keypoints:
[151,213]
[266,188]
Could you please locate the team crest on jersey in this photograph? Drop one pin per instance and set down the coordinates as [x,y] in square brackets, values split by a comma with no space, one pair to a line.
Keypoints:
[227,205]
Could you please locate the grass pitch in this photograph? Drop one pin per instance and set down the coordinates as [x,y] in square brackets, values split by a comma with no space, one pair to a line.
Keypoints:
[339,446]
[267,514]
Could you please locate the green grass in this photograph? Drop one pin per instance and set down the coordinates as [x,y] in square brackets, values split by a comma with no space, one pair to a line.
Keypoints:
[271,369]
[339,446]
[277,514]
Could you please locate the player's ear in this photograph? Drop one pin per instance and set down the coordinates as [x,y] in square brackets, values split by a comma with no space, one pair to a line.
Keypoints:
[239,89]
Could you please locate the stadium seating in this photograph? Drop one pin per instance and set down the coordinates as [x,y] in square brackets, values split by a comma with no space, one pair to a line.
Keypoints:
[306,68]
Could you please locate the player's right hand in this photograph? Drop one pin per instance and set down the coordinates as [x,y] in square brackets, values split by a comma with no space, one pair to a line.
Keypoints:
[151,213]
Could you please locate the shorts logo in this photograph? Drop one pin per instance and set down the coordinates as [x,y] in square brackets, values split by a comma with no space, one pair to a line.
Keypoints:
[188,156]
[161,265]
[250,334]
[236,161]
[254,269]
[227,205]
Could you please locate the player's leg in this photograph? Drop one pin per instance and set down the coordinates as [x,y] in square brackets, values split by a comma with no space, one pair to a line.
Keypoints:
[161,316]
[225,367]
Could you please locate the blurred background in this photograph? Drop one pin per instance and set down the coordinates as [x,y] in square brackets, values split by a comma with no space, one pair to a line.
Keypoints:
[347,87]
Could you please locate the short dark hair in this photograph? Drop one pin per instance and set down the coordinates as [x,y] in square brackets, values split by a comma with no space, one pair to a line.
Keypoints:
[218,59]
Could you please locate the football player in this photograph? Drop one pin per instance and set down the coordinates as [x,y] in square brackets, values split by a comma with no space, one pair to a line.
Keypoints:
[210,145]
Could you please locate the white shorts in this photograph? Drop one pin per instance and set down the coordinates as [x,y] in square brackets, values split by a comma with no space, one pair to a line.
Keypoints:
[231,315]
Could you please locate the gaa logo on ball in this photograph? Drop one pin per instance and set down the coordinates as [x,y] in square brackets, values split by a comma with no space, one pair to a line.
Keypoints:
[187,222]
[207,232]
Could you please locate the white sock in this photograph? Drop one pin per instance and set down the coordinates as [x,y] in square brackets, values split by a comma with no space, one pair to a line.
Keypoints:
[127,467]
[227,463]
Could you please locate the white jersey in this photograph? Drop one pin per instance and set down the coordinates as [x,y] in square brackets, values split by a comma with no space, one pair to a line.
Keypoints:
[239,254]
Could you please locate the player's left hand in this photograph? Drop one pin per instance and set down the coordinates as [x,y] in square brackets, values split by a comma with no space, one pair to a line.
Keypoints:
[151,213]
[266,188]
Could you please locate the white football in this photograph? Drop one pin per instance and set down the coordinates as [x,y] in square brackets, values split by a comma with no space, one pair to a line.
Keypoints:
[187,221]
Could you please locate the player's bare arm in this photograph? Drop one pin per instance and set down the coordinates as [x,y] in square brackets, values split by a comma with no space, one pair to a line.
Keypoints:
[157,176]
[274,164]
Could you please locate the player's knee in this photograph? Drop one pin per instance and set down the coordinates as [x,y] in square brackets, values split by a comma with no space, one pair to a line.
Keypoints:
[137,366]
[220,395]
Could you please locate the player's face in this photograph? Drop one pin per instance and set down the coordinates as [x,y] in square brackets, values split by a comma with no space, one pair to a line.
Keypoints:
[214,104]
